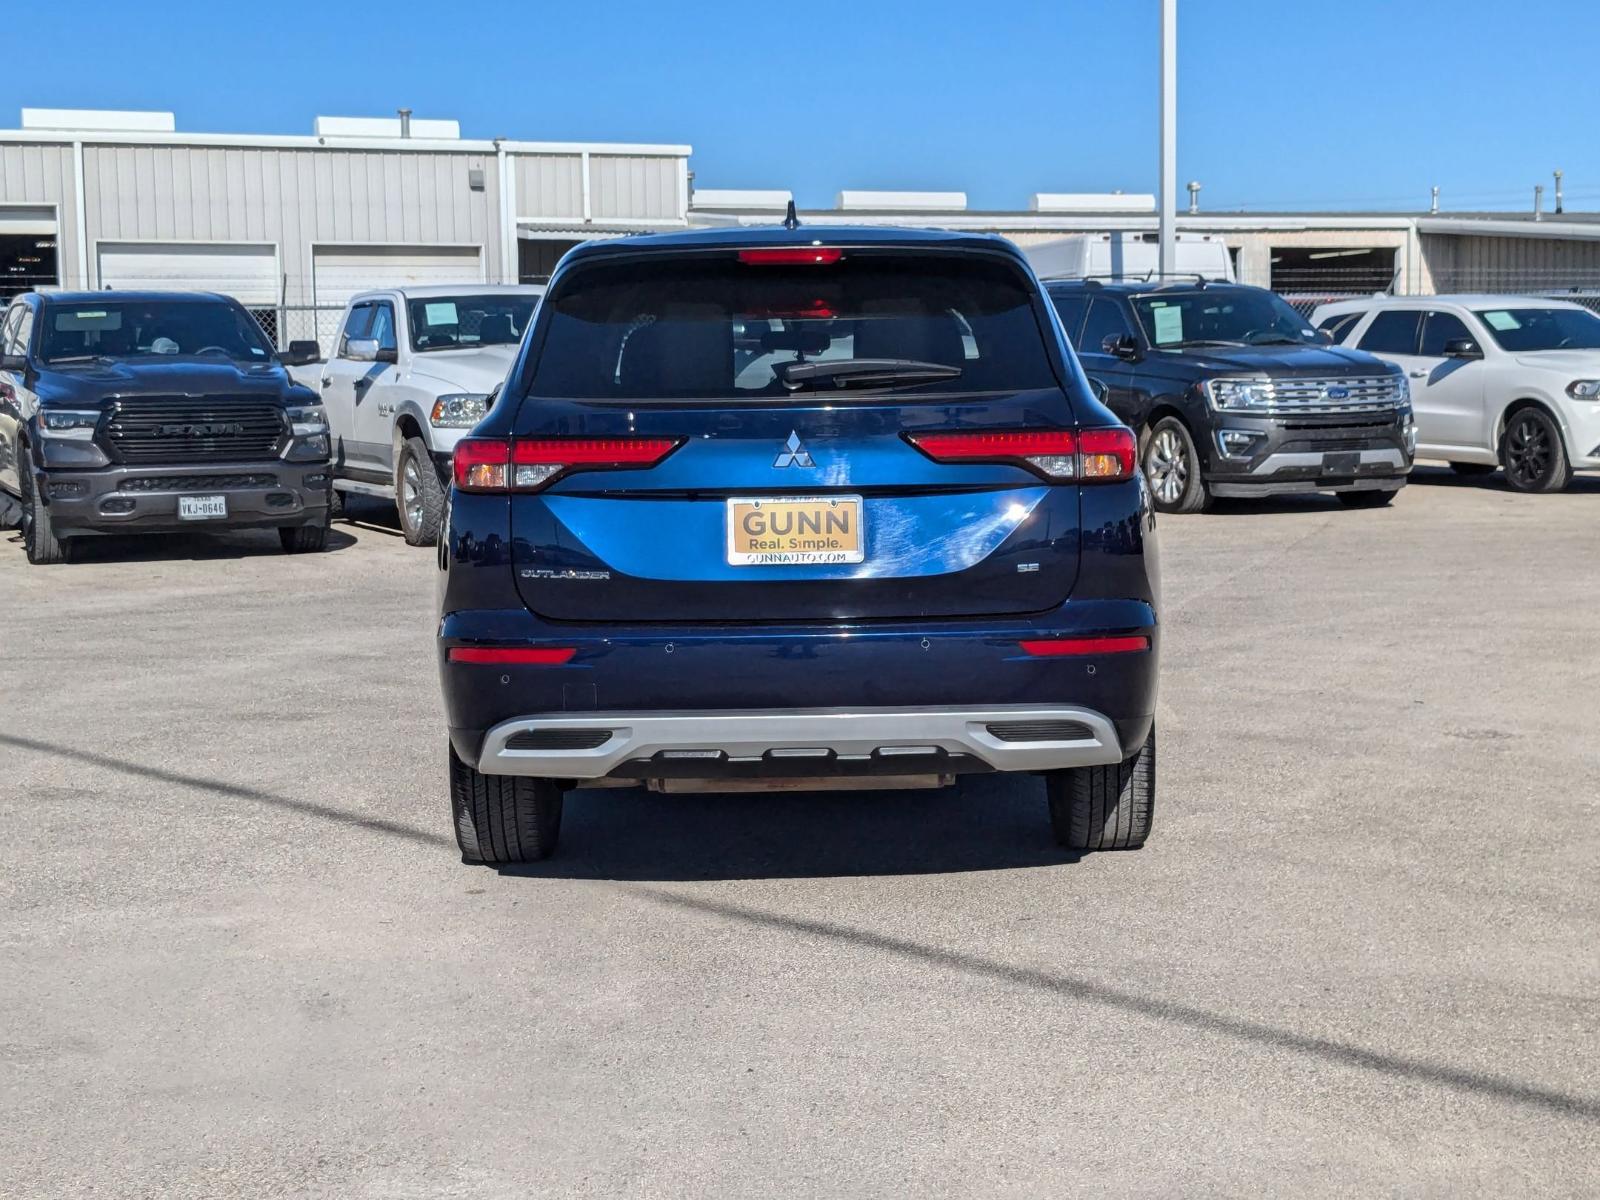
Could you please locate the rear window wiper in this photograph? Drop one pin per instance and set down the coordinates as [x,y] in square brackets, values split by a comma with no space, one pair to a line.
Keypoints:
[864,372]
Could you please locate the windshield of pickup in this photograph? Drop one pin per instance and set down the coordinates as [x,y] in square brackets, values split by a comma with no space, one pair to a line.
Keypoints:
[1220,317]
[1525,329]
[756,325]
[468,321]
[119,329]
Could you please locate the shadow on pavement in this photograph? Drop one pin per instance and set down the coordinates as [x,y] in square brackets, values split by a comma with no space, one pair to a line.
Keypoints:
[1198,1020]
[221,788]
[197,547]
[1432,476]
[988,823]
[994,823]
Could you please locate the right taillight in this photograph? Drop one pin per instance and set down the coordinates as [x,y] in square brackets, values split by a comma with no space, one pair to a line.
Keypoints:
[529,464]
[1088,456]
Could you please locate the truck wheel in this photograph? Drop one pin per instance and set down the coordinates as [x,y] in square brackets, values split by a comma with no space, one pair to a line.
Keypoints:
[303,539]
[1377,499]
[38,534]
[336,508]
[1172,469]
[417,493]
[1471,469]
[503,818]
[1105,808]
[1532,453]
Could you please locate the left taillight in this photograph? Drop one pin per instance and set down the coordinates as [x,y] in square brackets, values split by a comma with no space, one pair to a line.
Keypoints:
[1087,456]
[529,464]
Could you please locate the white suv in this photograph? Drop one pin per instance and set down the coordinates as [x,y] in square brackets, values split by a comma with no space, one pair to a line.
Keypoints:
[1507,381]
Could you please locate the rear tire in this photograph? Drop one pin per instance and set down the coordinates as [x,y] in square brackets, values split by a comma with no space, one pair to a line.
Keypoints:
[304,539]
[39,540]
[418,496]
[1172,469]
[1532,453]
[1376,499]
[503,818]
[1105,808]
[1472,470]
[336,505]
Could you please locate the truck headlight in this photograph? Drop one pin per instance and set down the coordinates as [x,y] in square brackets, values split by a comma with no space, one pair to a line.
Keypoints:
[1238,395]
[307,420]
[460,410]
[77,424]
[1584,389]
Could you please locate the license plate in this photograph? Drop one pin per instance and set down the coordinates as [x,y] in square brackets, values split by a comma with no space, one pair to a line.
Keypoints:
[794,530]
[202,508]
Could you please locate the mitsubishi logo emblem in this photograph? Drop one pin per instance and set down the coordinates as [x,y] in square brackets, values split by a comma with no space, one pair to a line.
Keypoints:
[794,453]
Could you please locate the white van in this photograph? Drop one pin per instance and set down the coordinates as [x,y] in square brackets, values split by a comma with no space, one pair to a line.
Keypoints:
[1128,256]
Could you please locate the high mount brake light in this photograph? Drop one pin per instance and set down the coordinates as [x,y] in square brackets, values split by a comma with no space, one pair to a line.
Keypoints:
[528,464]
[792,256]
[508,656]
[1057,647]
[1092,456]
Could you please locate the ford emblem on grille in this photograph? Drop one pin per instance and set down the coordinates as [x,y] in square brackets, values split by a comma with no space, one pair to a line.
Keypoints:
[210,429]
[1336,393]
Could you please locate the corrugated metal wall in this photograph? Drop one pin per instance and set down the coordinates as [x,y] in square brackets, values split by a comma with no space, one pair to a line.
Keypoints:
[292,197]
[1470,263]
[42,174]
[549,186]
[628,186]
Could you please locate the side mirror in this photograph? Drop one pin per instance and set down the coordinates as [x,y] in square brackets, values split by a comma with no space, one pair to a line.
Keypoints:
[14,362]
[300,354]
[368,350]
[1462,348]
[1324,338]
[1120,345]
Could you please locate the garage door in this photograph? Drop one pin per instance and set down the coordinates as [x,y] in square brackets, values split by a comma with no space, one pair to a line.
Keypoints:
[248,273]
[341,272]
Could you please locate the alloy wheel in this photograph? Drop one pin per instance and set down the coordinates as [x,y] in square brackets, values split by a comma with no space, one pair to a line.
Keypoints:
[1166,466]
[1529,452]
[411,492]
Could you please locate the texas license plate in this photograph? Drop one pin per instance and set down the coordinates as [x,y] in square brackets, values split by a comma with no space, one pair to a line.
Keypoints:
[202,508]
[794,530]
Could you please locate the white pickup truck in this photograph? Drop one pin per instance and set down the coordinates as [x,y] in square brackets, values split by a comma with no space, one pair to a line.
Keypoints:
[412,370]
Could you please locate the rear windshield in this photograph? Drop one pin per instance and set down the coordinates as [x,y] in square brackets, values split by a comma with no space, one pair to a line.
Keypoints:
[685,327]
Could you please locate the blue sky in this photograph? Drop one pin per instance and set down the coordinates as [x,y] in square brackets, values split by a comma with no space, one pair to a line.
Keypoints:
[1282,103]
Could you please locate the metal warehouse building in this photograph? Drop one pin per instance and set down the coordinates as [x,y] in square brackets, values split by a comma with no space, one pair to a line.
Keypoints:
[292,226]
[1305,255]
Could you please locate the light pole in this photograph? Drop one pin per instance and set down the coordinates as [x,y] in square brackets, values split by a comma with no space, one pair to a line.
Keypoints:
[1167,187]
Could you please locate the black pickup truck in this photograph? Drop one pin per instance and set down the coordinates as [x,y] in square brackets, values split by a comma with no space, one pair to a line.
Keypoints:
[1234,394]
[133,412]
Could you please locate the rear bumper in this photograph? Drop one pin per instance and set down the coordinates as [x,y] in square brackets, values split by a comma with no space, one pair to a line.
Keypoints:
[834,741]
[274,493]
[745,691]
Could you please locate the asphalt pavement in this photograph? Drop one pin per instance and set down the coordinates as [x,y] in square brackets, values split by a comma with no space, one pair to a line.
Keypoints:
[239,954]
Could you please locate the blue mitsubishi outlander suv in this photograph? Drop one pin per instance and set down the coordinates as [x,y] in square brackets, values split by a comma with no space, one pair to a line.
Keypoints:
[796,507]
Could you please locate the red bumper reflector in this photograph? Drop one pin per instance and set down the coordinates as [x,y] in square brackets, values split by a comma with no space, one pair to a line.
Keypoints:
[792,256]
[1049,647]
[526,656]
